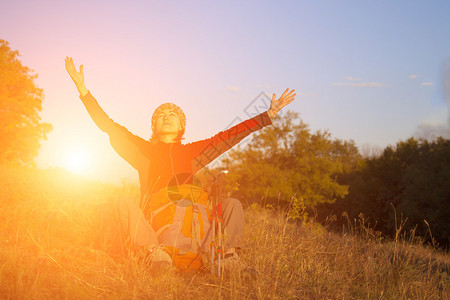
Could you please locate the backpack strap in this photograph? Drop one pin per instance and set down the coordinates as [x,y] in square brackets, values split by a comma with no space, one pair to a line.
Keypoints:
[162,229]
[196,234]
[157,211]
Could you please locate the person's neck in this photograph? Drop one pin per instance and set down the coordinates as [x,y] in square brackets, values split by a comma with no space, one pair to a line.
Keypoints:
[168,138]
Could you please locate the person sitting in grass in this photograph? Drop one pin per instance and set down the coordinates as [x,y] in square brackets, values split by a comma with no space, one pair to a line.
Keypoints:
[164,160]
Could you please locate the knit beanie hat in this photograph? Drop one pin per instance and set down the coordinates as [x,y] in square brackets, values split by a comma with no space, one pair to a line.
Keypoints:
[174,108]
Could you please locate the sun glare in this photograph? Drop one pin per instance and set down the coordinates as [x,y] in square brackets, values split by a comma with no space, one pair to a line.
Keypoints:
[76,161]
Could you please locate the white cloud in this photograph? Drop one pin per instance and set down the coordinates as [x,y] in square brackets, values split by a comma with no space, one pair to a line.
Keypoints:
[306,94]
[367,84]
[361,84]
[350,83]
[233,88]
[426,83]
[412,76]
[353,78]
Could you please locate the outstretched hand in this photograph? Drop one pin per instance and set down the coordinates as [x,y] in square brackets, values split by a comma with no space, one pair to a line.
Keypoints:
[77,77]
[277,105]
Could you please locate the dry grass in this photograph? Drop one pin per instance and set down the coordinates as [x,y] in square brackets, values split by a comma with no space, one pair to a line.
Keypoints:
[48,249]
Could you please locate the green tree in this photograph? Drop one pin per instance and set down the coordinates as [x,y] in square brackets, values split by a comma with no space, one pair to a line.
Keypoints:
[286,160]
[21,129]
[413,178]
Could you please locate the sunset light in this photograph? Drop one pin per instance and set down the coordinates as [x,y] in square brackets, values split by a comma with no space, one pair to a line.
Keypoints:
[76,161]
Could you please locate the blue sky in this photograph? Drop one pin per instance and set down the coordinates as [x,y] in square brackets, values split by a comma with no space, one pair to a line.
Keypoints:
[366,71]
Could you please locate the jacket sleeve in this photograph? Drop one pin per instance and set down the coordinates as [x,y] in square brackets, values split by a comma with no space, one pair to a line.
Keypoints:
[205,151]
[127,145]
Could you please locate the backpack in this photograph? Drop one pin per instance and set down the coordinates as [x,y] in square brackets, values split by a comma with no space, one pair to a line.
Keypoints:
[180,217]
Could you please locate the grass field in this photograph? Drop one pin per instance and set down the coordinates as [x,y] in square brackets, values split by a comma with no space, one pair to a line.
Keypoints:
[50,248]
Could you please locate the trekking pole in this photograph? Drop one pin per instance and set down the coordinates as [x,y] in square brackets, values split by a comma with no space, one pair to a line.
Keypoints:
[219,239]
[213,219]
[219,189]
[216,217]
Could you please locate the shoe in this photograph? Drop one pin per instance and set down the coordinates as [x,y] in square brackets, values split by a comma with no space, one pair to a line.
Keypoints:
[158,259]
[231,262]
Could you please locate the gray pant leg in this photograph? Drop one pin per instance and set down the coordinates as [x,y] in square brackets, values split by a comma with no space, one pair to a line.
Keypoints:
[233,220]
[134,225]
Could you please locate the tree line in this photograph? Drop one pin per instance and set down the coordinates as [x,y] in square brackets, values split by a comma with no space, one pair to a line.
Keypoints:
[409,182]
[287,164]
[21,129]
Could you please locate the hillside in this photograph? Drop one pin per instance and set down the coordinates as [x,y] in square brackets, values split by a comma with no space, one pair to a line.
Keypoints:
[51,248]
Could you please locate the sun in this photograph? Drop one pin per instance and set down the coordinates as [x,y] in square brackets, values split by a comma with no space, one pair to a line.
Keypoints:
[76,161]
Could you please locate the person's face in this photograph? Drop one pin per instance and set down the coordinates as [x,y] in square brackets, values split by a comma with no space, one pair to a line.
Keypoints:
[167,122]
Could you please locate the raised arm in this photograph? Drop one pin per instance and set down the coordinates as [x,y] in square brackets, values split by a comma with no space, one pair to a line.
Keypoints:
[203,152]
[127,145]
[77,77]
[97,114]
[277,105]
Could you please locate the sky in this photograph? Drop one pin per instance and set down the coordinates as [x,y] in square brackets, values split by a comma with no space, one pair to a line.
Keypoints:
[368,71]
